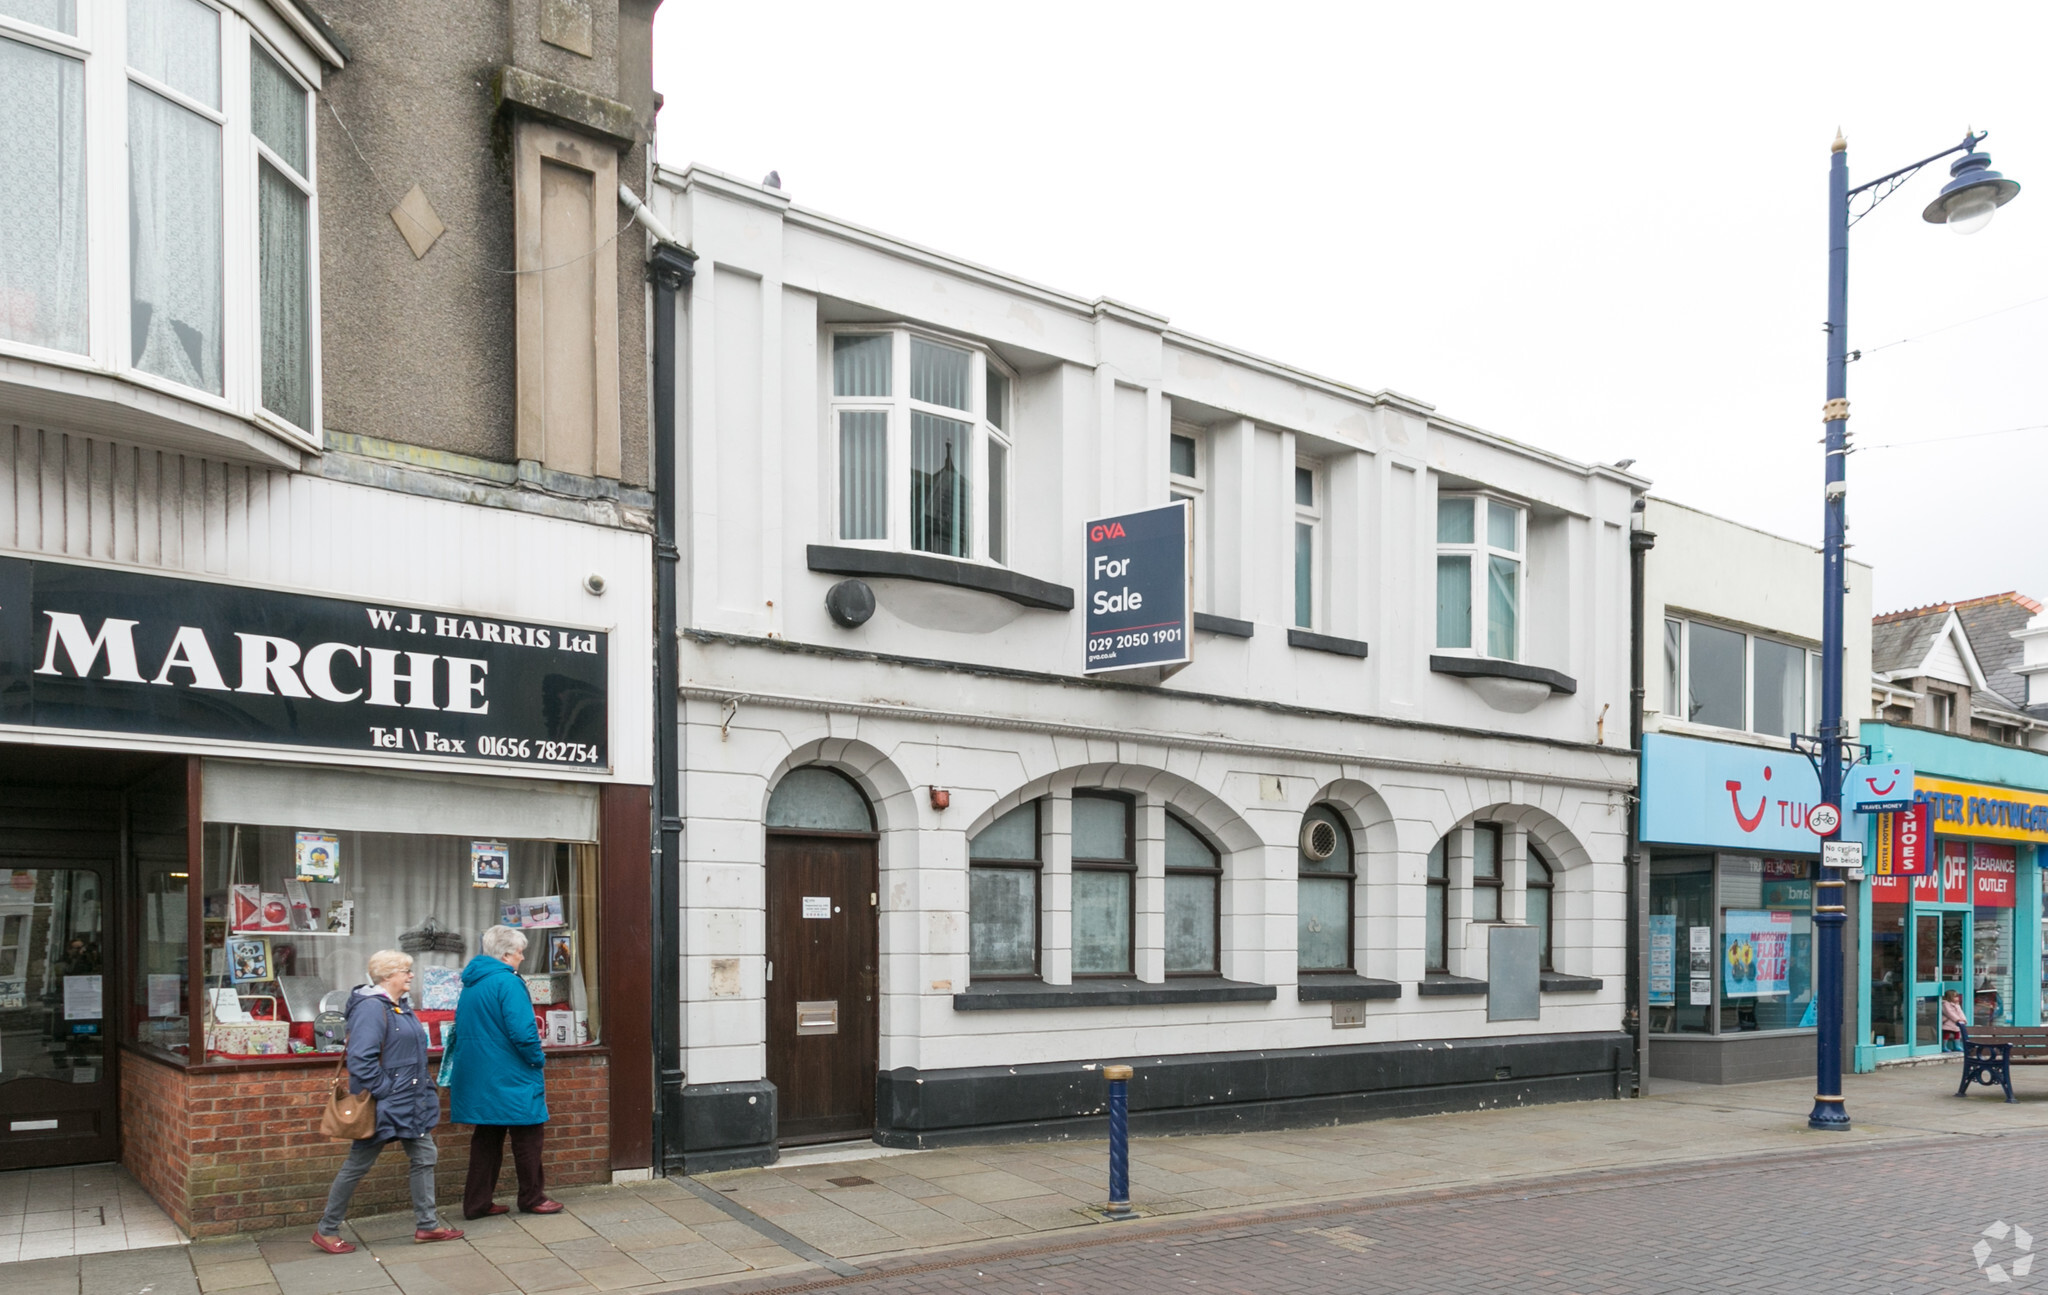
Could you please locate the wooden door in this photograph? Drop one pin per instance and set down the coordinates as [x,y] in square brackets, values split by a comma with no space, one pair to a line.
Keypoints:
[823,1016]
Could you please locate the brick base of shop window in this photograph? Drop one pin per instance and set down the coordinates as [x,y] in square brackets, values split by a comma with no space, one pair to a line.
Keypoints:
[240,1150]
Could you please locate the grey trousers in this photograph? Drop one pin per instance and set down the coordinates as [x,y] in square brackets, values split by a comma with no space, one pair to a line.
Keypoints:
[363,1154]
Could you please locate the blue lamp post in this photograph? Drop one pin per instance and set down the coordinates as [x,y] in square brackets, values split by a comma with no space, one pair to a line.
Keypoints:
[1966,204]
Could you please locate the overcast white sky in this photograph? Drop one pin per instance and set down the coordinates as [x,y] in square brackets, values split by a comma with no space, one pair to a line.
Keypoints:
[1599,229]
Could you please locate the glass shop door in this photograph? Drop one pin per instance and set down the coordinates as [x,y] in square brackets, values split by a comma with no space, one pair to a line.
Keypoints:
[58,986]
[1941,943]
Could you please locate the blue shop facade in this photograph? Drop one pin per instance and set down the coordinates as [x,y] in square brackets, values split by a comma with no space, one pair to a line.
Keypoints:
[1974,922]
[1729,990]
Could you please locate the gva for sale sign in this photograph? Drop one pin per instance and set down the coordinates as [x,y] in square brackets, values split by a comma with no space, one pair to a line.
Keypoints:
[1138,603]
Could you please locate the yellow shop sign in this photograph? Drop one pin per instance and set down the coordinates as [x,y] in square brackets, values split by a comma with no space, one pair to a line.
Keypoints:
[1990,813]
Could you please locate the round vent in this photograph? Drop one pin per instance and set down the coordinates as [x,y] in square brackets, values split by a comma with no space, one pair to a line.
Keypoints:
[1318,839]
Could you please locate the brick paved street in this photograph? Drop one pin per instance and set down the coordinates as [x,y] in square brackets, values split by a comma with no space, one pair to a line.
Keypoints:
[1898,1220]
[1494,1199]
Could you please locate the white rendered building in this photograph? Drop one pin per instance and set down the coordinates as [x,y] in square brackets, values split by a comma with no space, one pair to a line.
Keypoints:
[934,875]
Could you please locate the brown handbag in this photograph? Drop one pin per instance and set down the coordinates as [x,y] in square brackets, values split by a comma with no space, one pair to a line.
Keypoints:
[348,1116]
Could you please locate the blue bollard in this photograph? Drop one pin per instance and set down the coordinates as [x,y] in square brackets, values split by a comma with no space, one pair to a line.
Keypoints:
[1119,1206]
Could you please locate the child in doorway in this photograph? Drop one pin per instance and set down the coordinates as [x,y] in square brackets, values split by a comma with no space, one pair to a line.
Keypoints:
[1953,1019]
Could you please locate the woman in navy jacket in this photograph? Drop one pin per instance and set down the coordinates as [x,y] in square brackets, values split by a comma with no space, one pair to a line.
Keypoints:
[387,1058]
[499,1084]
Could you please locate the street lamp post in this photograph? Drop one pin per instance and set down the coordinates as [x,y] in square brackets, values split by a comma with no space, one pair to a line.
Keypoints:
[1965,204]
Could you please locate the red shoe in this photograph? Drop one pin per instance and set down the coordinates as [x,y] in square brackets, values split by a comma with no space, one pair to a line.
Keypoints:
[424,1235]
[494,1209]
[333,1245]
[545,1207]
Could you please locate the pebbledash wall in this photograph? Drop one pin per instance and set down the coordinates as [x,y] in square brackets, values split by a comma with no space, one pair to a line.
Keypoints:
[945,684]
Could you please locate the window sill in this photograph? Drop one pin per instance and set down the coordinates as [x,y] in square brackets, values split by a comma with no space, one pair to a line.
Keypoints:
[1557,982]
[1480,667]
[1210,623]
[1326,643]
[1344,988]
[1438,985]
[1033,995]
[888,564]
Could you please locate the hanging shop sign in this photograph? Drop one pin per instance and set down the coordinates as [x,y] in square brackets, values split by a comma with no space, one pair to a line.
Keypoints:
[1722,794]
[88,649]
[1882,788]
[1900,847]
[1138,592]
[1973,809]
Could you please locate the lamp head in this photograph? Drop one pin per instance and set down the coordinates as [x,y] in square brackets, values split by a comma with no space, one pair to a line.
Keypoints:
[1974,191]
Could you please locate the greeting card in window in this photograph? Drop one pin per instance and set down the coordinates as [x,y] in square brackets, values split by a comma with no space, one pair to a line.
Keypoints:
[247,908]
[509,914]
[541,910]
[249,959]
[561,952]
[487,863]
[440,987]
[319,856]
[277,913]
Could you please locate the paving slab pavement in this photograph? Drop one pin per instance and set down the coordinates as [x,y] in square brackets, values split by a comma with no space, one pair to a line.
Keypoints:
[821,1217]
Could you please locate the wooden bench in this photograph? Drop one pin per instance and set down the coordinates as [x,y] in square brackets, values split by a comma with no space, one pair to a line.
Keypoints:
[1991,1051]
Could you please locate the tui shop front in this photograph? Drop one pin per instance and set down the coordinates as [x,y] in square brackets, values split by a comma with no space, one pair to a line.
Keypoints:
[218,799]
[1973,923]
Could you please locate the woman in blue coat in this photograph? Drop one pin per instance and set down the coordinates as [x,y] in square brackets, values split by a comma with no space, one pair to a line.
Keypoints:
[499,1084]
[387,1058]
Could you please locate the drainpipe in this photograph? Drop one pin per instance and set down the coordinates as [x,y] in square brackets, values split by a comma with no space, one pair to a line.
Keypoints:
[670,267]
[1636,1015]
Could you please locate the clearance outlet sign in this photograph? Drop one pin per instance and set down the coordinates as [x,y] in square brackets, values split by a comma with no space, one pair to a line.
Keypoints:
[1138,590]
[98,650]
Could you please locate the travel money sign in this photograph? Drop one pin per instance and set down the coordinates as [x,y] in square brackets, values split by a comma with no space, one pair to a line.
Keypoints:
[1138,595]
[88,649]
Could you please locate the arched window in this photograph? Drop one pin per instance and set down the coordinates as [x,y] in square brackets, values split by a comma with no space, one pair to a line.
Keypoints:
[1486,872]
[1104,866]
[1323,896]
[1438,916]
[1003,864]
[1541,883]
[817,799]
[1193,915]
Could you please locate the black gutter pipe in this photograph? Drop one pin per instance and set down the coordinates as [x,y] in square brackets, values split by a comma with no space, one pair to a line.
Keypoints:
[1636,1015]
[670,268]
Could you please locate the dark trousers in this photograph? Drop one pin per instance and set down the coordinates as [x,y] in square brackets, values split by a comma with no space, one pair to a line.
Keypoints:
[487,1153]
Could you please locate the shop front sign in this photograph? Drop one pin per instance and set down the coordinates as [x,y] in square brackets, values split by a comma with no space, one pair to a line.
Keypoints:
[1138,591]
[1987,813]
[1724,794]
[87,649]
[1997,871]
[1901,848]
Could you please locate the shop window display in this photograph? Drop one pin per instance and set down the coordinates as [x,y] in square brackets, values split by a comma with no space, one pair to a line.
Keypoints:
[1766,971]
[1994,887]
[291,916]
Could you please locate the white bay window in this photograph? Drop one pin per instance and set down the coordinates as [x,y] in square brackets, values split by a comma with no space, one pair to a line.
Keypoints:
[940,410]
[1479,577]
[158,218]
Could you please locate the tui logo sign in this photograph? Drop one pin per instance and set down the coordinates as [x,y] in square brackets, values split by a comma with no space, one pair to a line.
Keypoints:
[1722,794]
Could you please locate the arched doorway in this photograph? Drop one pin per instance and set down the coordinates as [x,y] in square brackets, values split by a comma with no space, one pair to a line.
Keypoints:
[823,890]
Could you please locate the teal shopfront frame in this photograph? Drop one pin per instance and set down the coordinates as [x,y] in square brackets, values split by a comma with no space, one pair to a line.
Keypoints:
[1986,786]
